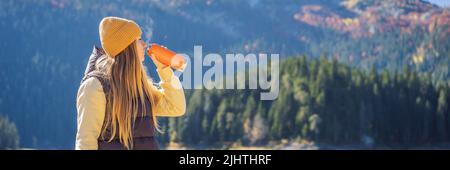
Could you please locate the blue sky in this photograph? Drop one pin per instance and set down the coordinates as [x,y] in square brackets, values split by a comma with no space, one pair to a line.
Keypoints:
[440,2]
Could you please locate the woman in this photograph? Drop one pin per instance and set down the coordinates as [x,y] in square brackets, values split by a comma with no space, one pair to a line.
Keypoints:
[117,103]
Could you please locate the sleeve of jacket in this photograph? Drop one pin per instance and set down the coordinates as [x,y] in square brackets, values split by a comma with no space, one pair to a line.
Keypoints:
[91,104]
[171,100]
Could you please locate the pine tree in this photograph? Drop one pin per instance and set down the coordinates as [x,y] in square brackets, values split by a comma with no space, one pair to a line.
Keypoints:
[9,137]
[442,115]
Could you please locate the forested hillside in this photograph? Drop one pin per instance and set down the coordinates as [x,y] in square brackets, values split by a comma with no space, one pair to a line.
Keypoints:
[325,102]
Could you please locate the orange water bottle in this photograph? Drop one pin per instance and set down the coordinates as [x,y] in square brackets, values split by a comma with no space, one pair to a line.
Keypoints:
[167,57]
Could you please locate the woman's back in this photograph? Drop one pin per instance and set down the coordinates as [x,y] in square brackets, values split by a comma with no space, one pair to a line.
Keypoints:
[143,131]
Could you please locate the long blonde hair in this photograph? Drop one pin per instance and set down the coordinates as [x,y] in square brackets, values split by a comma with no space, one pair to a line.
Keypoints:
[129,87]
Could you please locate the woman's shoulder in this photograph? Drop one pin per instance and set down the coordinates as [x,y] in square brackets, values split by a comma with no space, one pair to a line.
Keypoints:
[97,79]
[91,84]
[90,91]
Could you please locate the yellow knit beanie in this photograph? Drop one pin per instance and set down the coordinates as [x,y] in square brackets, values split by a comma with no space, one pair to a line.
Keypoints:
[116,34]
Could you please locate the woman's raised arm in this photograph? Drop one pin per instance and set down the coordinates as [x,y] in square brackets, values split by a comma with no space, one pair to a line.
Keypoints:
[171,100]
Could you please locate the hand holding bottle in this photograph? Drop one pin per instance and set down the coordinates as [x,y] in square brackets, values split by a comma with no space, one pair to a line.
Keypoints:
[163,57]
